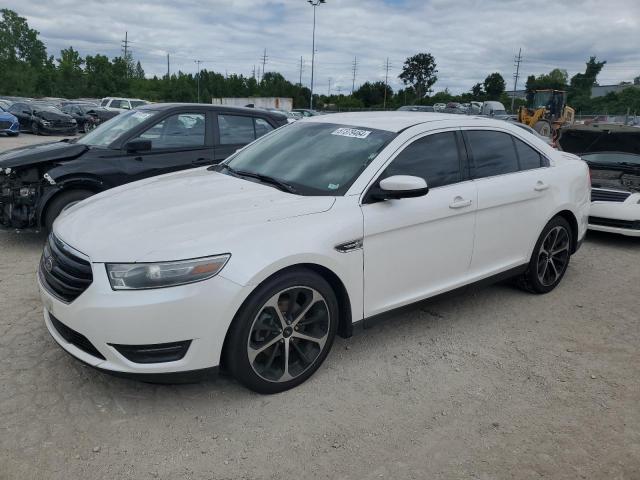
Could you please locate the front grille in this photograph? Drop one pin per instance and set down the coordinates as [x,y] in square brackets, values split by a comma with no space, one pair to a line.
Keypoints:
[75,338]
[5,124]
[66,275]
[598,195]
[612,222]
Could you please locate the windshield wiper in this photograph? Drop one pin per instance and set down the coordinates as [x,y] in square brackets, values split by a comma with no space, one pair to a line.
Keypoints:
[259,176]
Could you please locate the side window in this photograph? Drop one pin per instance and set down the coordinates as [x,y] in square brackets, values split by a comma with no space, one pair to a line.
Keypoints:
[16,108]
[235,129]
[262,127]
[434,158]
[527,156]
[182,130]
[493,153]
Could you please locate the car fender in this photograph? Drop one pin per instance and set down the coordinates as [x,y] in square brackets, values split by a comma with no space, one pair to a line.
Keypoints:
[61,185]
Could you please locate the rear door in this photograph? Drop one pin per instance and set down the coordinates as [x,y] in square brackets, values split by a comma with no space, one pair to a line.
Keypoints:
[23,113]
[178,141]
[514,199]
[233,131]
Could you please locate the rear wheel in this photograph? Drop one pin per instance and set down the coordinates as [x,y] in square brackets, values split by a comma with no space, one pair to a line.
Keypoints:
[550,257]
[35,128]
[60,202]
[283,332]
[543,127]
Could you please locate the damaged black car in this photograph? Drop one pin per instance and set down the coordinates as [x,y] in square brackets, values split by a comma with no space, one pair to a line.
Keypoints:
[87,116]
[612,152]
[43,118]
[39,181]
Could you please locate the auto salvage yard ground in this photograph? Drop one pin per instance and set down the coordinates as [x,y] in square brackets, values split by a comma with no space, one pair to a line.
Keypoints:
[489,385]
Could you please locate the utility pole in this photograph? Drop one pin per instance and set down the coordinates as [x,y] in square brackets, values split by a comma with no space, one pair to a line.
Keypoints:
[386,82]
[329,91]
[253,72]
[517,59]
[301,67]
[264,61]
[314,4]
[355,69]
[198,62]
[168,70]
[125,47]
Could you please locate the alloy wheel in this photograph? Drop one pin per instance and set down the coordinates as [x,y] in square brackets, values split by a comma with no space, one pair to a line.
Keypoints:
[553,255]
[288,334]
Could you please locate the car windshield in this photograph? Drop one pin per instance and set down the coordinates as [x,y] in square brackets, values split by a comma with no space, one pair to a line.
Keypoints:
[612,158]
[46,108]
[314,158]
[109,131]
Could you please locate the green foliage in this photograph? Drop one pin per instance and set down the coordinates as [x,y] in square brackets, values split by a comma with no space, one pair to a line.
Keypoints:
[419,71]
[494,86]
[373,94]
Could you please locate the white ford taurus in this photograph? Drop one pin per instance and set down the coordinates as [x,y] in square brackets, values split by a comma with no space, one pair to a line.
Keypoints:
[255,264]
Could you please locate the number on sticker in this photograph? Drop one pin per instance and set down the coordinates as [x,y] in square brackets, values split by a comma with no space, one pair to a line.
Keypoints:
[351,132]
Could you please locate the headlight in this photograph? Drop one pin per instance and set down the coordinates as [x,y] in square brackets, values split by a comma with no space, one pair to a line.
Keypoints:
[136,276]
[73,120]
[46,123]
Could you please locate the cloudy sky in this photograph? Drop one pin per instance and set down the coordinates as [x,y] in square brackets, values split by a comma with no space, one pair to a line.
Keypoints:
[469,38]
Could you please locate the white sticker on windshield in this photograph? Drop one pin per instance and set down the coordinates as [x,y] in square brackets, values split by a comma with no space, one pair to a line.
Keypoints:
[351,132]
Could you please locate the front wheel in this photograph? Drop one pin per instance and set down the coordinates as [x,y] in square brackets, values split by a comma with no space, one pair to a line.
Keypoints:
[550,257]
[60,202]
[35,128]
[283,332]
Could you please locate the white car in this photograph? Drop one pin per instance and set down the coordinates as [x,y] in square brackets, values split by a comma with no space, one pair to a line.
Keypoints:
[612,152]
[121,104]
[255,264]
[438,107]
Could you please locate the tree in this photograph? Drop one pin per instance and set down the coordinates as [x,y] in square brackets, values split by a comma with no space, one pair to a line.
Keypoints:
[477,91]
[494,86]
[372,94]
[420,71]
[70,81]
[581,83]
[139,71]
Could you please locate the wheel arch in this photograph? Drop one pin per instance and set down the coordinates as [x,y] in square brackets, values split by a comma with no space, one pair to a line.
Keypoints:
[345,324]
[570,217]
[88,183]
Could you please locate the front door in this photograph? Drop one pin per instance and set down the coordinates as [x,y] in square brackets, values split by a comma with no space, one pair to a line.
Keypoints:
[415,248]
[178,142]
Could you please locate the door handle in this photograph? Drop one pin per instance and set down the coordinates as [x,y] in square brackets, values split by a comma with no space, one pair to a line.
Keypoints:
[540,186]
[459,202]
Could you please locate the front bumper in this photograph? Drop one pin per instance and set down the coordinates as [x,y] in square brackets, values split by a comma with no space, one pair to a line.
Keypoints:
[59,131]
[200,312]
[617,217]
[14,128]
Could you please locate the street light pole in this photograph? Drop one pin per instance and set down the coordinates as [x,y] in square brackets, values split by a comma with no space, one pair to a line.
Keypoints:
[314,4]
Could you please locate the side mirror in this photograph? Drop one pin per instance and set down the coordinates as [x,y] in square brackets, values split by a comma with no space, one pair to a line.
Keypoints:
[401,186]
[138,145]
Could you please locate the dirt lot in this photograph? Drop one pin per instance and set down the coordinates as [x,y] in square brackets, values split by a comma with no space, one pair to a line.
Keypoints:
[491,385]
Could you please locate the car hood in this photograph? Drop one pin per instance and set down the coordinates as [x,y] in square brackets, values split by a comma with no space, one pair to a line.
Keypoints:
[52,116]
[582,139]
[186,214]
[7,116]
[44,152]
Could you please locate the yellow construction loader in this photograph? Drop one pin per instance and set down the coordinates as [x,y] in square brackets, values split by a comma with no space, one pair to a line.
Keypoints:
[549,112]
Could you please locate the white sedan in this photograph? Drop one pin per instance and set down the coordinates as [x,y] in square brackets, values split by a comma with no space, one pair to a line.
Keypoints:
[255,264]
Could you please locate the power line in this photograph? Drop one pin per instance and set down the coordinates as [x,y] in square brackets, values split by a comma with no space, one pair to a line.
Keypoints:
[355,69]
[518,60]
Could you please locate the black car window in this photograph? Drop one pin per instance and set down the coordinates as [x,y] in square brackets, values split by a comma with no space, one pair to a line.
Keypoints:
[527,156]
[104,103]
[19,108]
[177,131]
[434,158]
[116,104]
[236,129]
[262,127]
[493,153]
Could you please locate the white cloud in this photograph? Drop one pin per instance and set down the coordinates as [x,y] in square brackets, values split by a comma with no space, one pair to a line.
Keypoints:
[469,38]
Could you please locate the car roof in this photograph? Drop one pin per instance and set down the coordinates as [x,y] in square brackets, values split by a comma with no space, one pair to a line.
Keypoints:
[396,121]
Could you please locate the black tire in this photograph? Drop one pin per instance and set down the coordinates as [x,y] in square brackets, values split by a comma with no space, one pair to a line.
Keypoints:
[35,128]
[536,279]
[13,134]
[249,326]
[59,203]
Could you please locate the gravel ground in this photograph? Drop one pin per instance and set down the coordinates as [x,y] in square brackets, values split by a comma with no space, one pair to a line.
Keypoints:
[493,384]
